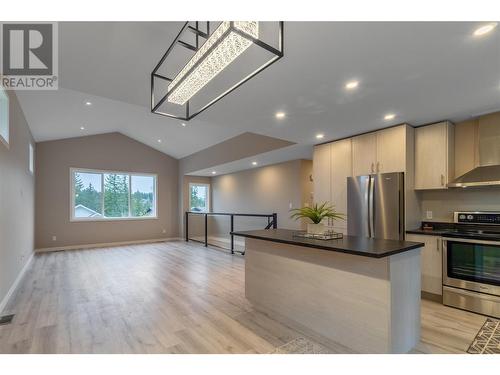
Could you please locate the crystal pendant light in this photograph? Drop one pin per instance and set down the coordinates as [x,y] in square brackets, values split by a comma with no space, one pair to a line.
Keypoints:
[219,51]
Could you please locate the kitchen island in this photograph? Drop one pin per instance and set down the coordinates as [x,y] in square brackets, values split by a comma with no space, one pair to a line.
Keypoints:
[362,293]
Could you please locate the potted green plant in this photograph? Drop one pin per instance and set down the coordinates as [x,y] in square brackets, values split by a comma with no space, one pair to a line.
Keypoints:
[316,213]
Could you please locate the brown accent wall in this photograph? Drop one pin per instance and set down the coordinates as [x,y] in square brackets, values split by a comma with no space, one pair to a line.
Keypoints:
[113,151]
[17,194]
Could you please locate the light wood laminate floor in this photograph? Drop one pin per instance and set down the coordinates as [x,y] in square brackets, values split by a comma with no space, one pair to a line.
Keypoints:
[172,297]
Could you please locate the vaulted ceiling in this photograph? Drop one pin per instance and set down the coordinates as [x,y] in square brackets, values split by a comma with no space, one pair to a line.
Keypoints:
[422,72]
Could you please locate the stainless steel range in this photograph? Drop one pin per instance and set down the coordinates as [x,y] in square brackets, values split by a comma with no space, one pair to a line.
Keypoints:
[471,263]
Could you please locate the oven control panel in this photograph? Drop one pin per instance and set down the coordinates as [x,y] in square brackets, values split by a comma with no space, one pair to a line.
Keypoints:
[477,217]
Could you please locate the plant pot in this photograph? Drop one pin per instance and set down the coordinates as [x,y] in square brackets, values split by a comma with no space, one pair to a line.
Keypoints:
[316,228]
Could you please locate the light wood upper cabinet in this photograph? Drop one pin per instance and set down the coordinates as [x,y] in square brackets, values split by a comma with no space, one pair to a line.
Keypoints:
[383,151]
[322,173]
[431,262]
[341,168]
[391,148]
[364,154]
[434,156]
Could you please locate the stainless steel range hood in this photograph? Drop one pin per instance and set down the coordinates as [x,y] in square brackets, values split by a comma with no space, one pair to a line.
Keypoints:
[480,176]
[487,173]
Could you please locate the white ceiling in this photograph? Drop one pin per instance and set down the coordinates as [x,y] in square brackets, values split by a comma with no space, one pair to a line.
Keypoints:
[423,72]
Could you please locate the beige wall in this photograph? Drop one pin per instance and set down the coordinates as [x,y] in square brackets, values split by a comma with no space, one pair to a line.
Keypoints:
[263,190]
[17,193]
[444,202]
[196,223]
[113,151]
[242,146]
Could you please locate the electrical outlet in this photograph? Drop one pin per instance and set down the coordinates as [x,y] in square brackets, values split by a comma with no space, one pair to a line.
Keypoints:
[164,231]
[428,214]
[54,238]
[290,205]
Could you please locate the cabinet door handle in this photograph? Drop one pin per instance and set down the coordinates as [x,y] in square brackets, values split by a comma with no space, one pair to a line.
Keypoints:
[373,167]
[439,243]
[378,166]
[442,180]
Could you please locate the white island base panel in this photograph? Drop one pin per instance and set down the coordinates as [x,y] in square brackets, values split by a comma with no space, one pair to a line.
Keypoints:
[370,305]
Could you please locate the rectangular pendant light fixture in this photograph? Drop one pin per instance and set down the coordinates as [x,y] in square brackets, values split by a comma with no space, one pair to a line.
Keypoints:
[220,50]
[221,47]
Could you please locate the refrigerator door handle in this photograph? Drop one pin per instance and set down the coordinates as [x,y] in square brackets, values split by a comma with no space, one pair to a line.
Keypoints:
[367,200]
[371,207]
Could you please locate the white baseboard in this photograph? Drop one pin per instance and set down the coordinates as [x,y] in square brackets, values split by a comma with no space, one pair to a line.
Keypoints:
[104,244]
[15,283]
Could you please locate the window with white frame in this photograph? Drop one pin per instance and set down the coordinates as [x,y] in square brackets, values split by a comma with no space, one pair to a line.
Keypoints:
[4,116]
[31,159]
[199,197]
[106,195]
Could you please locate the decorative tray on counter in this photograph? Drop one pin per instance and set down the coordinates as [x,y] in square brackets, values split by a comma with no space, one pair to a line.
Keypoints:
[328,235]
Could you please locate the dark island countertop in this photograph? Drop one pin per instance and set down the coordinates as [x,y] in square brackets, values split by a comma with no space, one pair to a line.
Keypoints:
[368,247]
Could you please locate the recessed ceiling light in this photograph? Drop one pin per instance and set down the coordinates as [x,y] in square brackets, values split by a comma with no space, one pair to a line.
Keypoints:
[485,29]
[183,124]
[351,85]
[389,116]
[254,163]
[214,172]
[82,127]
[320,136]
[280,114]
[159,140]
[88,103]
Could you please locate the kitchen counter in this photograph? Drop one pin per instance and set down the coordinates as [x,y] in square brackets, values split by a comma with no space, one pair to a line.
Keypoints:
[438,228]
[368,247]
[459,230]
[361,293]
[428,232]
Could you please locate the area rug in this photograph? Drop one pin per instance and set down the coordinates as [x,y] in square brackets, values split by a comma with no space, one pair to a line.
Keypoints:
[301,345]
[487,340]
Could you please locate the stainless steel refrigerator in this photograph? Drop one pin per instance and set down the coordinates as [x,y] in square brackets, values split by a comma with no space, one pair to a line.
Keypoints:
[375,206]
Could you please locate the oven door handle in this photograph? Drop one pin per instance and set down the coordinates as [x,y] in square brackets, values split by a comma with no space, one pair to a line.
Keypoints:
[444,262]
[465,240]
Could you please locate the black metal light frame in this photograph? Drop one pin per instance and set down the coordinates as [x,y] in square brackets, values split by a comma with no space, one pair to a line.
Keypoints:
[278,54]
